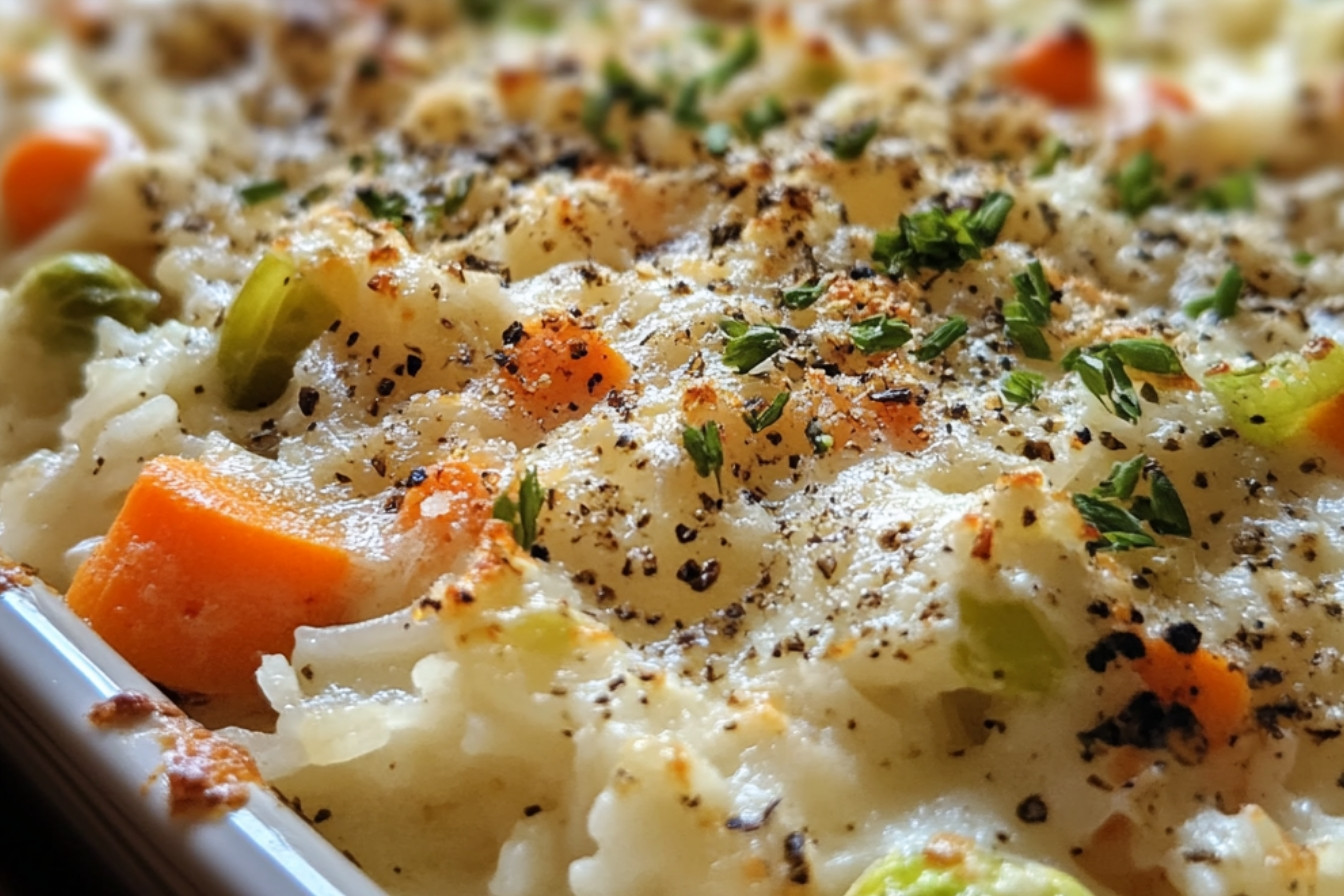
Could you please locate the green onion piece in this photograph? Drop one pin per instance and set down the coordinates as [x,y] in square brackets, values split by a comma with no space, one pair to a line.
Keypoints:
[1269,402]
[941,339]
[879,334]
[263,191]
[705,449]
[973,872]
[742,57]
[1006,646]
[390,206]
[1137,185]
[1223,301]
[277,313]
[758,422]
[64,296]
[749,345]
[849,144]
[1022,387]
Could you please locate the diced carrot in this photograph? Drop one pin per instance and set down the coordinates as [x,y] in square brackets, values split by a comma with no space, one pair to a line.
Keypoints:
[1327,422]
[450,498]
[858,413]
[43,178]
[1060,67]
[202,573]
[1168,94]
[1207,684]
[557,370]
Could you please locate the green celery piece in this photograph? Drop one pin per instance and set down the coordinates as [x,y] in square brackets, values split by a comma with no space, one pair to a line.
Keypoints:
[277,313]
[978,873]
[1269,402]
[64,296]
[1006,646]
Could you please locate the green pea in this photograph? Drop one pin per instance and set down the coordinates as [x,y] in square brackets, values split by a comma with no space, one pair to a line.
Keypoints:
[1006,646]
[64,296]
[963,871]
[277,313]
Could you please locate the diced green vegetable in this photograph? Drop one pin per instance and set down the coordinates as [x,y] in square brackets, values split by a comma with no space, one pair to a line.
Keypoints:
[973,872]
[1006,646]
[277,313]
[939,239]
[263,191]
[1269,402]
[64,296]
[1123,478]
[717,138]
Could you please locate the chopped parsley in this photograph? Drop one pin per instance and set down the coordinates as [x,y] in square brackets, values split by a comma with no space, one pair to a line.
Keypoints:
[1235,192]
[939,239]
[741,57]
[263,191]
[804,295]
[1122,529]
[767,114]
[880,333]
[390,206]
[618,86]
[1026,316]
[1102,369]
[1022,387]
[522,514]
[1138,184]
[758,419]
[749,344]
[705,449]
[850,143]
[1223,301]
[937,342]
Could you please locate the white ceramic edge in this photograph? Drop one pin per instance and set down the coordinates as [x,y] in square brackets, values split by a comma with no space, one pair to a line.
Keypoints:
[53,669]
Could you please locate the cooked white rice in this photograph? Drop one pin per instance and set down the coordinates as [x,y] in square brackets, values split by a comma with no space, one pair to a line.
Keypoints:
[614,717]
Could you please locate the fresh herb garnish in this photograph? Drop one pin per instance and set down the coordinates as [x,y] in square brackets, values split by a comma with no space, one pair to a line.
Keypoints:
[850,143]
[749,344]
[457,195]
[758,420]
[387,206]
[1235,192]
[1302,258]
[705,449]
[1022,387]
[1025,317]
[821,440]
[1052,151]
[767,114]
[1223,301]
[522,514]
[1137,184]
[741,57]
[880,333]
[804,295]
[939,239]
[618,86]
[937,342]
[1121,529]
[686,107]
[315,195]
[1102,369]
[263,191]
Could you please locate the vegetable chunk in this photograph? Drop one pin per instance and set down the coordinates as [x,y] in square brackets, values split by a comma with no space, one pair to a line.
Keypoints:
[43,178]
[557,370]
[1059,67]
[202,573]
